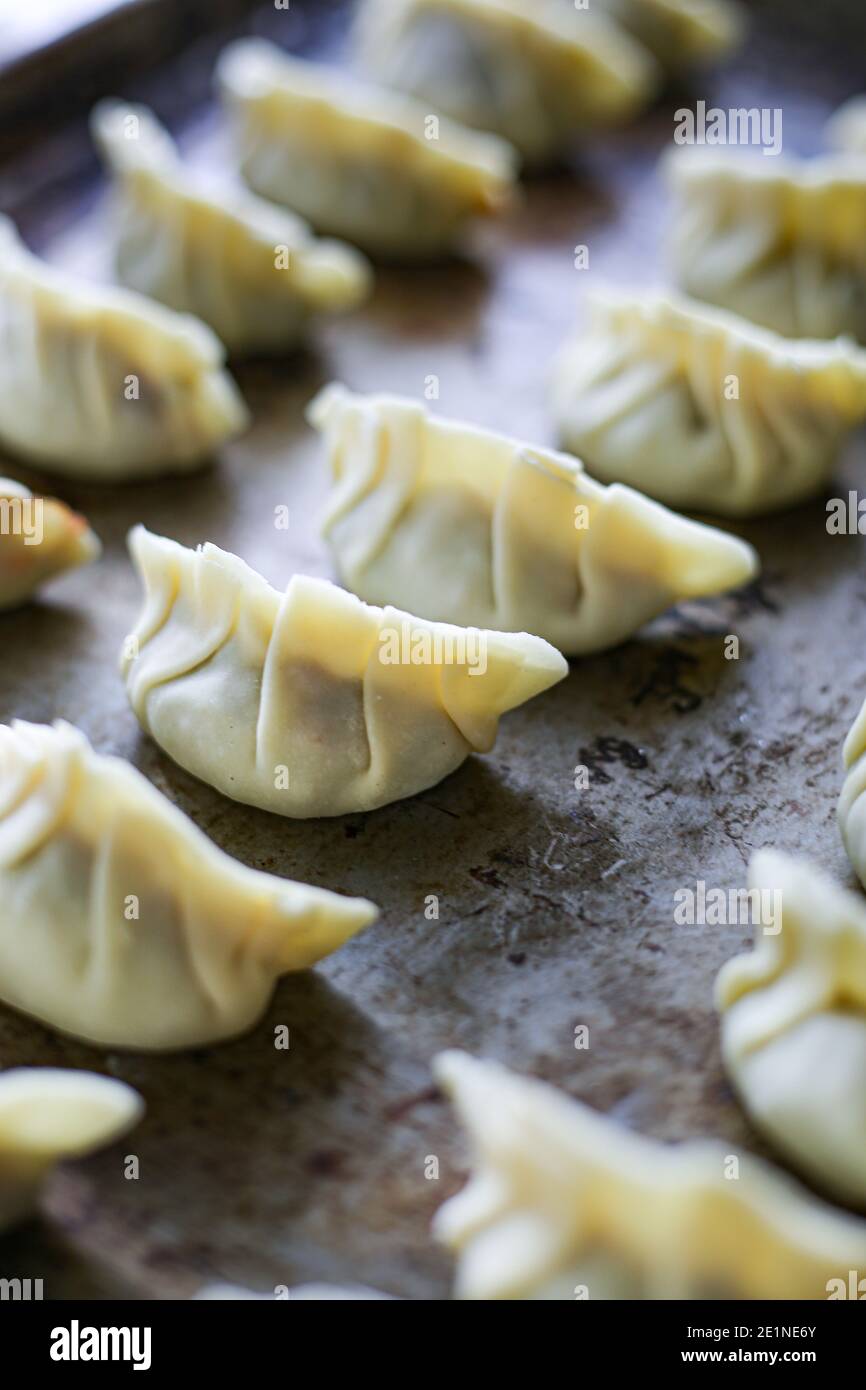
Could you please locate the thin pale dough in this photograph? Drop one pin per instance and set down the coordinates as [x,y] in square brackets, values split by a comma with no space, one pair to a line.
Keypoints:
[782,242]
[679,33]
[251,270]
[794,1022]
[120,922]
[358,161]
[563,1204]
[311,703]
[851,811]
[39,539]
[462,525]
[47,1116]
[539,75]
[701,409]
[102,383]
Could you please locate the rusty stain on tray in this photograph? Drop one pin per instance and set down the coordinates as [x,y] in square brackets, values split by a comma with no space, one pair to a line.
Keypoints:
[273,1167]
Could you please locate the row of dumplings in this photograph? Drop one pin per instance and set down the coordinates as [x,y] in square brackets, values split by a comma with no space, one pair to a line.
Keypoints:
[279,675]
[214,636]
[564,1203]
[358,161]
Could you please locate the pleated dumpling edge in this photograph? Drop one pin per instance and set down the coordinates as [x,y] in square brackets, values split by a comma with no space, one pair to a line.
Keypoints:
[359,161]
[462,524]
[563,1203]
[851,809]
[702,409]
[781,241]
[252,270]
[793,1021]
[310,702]
[539,75]
[145,394]
[156,939]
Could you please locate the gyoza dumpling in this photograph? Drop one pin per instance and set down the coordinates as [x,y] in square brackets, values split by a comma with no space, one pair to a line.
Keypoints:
[794,1023]
[39,538]
[358,161]
[47,1116]
[120,922]
[852,802]
[466,526]
[539,75]
[679,33]
[253,271]
[846,128]
[102,383]
[309,703]
[563,1203]
[781,242]
[702,409]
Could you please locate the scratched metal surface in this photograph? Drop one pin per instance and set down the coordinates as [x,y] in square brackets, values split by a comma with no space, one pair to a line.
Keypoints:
[556,906]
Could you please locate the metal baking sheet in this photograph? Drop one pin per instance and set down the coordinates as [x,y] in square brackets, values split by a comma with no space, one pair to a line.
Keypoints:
[269,1167]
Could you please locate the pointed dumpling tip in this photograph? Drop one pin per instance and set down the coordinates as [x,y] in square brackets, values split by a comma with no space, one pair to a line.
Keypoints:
[543,664]
[712,562]
[86,546]
[312,923]
[48,1112]
[691,559]
[453,1067]
[80,544]
[324,404]
[142,543]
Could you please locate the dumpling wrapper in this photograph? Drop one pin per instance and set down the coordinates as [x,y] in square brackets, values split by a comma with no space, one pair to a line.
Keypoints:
[121,923]
[102,383]
[251,270]
[563,1203]
[846,129]
[851,811]
[309,702]
[540,75]
[39,539]
[47,1116]
[679,33]
[794,1024]
[782,242]
[701,409]
[463,525]
[359,161]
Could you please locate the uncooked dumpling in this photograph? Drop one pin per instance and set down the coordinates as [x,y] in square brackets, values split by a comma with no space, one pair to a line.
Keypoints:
[679,33]
[120,922]
[794,1022]
[852,802]
[253,271]
[466,526]
[102,383]
[846,129]
[48,1116]
[782,242]
[310,703]
[700,408]
[358,161]
[540,75]
[565,1204]
[39,538]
